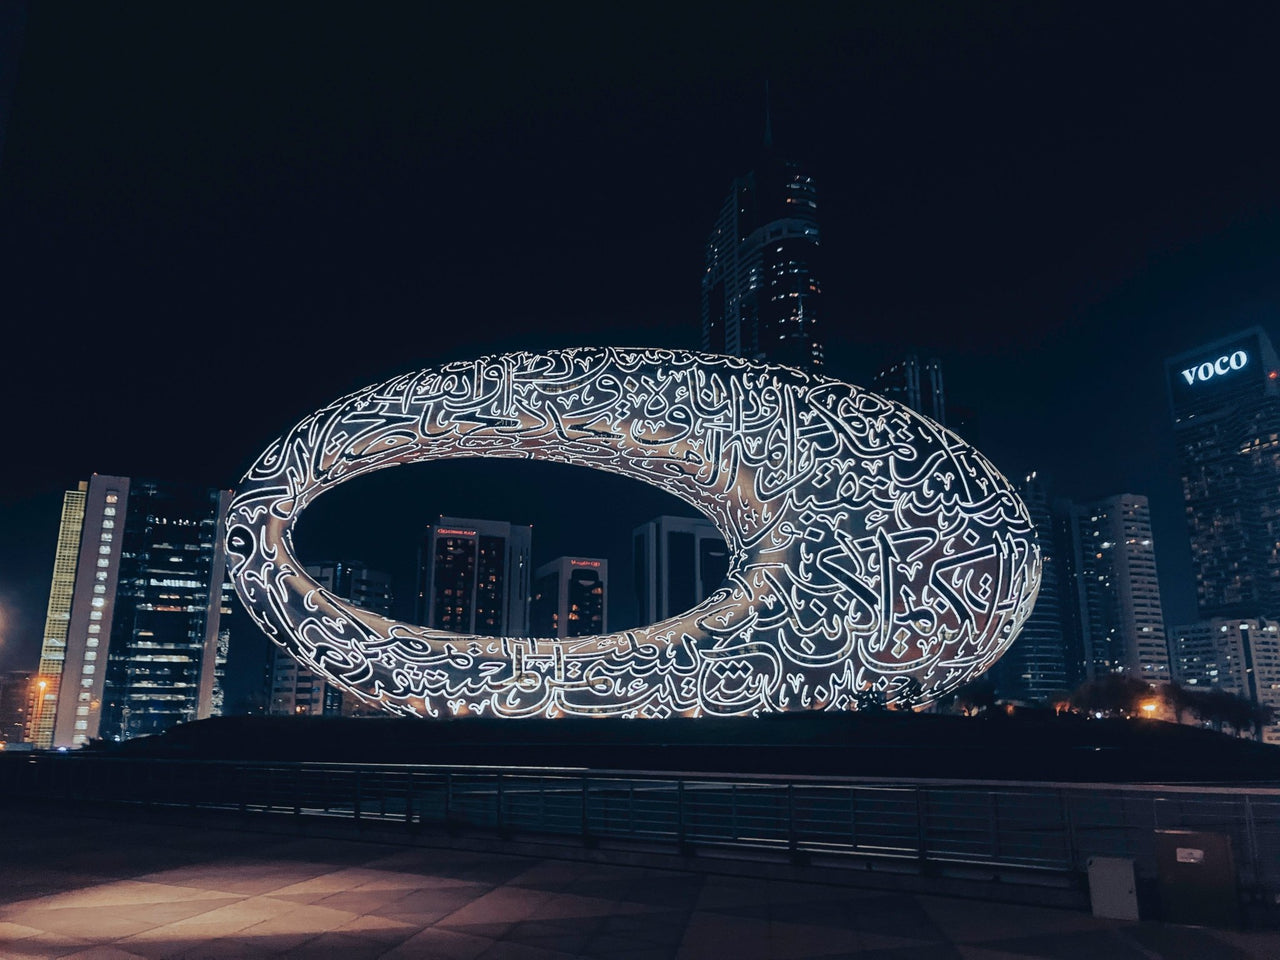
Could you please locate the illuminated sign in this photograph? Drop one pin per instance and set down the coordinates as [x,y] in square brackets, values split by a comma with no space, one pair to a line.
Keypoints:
[584,563]
[1215,368]
[442,532]
[875,558]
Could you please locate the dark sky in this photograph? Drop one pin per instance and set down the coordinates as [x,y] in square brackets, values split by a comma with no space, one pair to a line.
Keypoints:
[215,218]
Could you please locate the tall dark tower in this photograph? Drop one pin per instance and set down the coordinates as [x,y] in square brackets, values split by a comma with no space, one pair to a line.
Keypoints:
[761,297]
[1225,402]
[918,385]
[1037,665]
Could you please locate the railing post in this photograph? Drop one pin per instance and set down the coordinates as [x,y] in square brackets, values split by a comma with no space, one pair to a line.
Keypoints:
[853,818]
[498,798]
[793,843]
[681,837]
[1251,838]
[922,846]
[355,809]
[995,825]
[586,814]
[448,797]
[408,801]
[1069,823]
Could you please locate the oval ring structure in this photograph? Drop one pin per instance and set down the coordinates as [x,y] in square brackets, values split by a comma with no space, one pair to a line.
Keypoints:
[875,557]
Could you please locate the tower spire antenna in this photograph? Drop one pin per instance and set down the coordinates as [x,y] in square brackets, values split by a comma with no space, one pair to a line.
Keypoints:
[768,118]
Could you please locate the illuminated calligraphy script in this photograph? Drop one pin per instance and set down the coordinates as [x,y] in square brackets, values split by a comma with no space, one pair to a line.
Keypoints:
[875,557]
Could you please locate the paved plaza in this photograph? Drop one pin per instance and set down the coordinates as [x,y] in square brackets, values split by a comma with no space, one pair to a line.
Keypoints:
[98,889]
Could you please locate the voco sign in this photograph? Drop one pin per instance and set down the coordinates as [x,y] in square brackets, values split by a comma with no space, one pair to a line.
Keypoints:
[1215,368]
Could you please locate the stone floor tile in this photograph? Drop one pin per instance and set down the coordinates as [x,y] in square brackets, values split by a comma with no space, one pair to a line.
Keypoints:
[716,935]
[104,952]
[389,932]
[13,932]
[571,905]
[503,905]
[440,944]
[966,921]
[338,946]
[305,920]
[44,944]
[1102,944]
[92,924]
[1255,944]
[431,905]
[1180,943]
[982,953]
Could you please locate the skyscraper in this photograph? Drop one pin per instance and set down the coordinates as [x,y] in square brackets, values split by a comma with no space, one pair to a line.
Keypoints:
[295,689]
[916,384]
[53,647]
[1119,594]
[473,577]
[1224,398]
[678,562]
[1037,665]
[1237,654]
[761,296]
[143,635]
[18,694]
[570,598]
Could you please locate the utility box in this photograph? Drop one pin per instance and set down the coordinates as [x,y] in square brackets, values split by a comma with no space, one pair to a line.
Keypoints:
[1197,878]
[1112,891]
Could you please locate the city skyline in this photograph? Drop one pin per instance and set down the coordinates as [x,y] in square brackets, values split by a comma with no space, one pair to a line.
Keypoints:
[981,202]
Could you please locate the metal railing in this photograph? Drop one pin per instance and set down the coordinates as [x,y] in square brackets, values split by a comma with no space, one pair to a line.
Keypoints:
[1049,829]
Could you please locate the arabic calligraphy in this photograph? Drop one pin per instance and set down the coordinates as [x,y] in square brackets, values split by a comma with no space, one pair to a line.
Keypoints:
[875,557]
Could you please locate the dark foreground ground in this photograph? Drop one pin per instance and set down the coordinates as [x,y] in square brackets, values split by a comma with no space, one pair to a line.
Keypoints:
[872,745]
[90,889]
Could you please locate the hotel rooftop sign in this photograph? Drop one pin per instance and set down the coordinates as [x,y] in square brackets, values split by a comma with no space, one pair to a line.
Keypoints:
[874,555]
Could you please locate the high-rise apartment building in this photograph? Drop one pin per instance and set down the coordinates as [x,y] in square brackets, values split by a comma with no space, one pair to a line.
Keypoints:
[1036,666]
[474,577]
[678,562]
[18,693]
[297,690]
[570,597]
[1239,655]
[53,647]
[1118,591]
[761,293]
[1225,401]
[144,630]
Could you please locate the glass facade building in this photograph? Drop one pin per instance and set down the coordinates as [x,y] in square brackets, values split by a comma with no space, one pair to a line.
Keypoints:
[145,636]
[53,646]
[1224,398]
[1118,592]
[474,577]
[1038,665]
[761,292]
[678,562]
[570,598]
[1239,655]
[914,383]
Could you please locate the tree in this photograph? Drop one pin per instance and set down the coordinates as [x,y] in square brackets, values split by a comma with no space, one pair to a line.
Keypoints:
[1111,695]
[1178,697]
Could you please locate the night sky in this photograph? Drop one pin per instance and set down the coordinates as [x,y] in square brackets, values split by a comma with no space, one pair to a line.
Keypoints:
[214,219]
